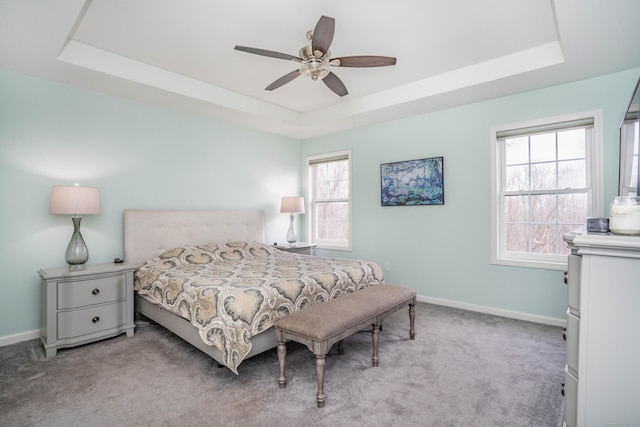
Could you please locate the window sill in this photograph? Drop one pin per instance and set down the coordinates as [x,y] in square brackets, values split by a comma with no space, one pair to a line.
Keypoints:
[333,247]
[542,264]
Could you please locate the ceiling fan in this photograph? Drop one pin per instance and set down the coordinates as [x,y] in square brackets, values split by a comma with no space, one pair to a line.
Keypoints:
[316,58]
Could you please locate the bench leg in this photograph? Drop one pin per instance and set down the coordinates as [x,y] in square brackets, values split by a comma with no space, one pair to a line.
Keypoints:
[341,347]
[320,396]
[282,355]
[412,320]
[375,335]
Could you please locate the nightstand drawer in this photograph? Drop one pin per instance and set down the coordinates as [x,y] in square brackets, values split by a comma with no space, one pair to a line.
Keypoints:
[82,293]
[93,319]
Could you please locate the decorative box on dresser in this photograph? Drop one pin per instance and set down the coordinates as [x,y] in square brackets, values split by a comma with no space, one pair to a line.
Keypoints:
[602,375]
[82,306]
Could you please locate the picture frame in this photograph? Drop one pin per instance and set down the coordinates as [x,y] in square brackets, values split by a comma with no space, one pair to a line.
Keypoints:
[412,182]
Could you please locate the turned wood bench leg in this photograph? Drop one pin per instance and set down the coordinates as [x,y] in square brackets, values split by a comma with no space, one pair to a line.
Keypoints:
[375,335]
[412,320]
[320,396]
[282,355]
[341,347]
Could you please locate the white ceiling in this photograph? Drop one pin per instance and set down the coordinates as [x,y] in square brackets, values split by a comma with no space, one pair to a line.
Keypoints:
[179,54]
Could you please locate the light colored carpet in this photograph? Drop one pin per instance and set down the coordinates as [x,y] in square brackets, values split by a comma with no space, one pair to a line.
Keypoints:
[463,369]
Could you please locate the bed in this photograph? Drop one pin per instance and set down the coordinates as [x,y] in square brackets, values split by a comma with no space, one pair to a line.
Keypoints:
[208,277]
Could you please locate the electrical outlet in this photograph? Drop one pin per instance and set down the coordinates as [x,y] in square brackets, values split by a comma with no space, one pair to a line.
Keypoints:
[387,266]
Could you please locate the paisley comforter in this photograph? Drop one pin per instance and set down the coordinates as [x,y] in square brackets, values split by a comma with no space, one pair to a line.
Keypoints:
[234,291]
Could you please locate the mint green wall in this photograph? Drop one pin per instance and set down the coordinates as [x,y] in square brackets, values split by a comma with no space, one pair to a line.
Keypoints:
[139,156]
[147,157]
[444,251]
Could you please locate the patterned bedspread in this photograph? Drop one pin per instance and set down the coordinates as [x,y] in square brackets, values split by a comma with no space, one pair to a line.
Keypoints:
[234,291]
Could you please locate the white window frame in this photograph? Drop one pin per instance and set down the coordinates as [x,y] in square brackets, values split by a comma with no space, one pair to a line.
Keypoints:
[311,221]
[595,182]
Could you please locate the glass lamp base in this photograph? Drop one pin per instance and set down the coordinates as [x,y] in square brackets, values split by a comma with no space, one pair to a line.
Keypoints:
[77,253]
[291,233]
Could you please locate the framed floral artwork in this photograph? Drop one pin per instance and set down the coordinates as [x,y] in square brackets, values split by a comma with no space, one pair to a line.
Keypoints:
[412,182]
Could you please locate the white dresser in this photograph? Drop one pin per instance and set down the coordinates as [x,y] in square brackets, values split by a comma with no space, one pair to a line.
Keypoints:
[602,375]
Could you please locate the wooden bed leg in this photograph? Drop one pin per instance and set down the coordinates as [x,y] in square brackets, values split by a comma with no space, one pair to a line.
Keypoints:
[375,335]
[412,320]
[282,355]
[320,396]
[341,347]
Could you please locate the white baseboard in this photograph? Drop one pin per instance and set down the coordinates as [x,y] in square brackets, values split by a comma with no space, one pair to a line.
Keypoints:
[26,336]
[495,311]
[23,336]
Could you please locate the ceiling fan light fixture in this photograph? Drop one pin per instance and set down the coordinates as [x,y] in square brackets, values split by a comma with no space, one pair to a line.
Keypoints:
[315,70]
[316,59]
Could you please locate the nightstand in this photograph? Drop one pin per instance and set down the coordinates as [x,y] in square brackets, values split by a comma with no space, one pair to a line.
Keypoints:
[82,306]
[298,248]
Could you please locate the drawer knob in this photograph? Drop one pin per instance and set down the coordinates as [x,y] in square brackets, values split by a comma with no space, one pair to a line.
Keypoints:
[95,291]
[95,319]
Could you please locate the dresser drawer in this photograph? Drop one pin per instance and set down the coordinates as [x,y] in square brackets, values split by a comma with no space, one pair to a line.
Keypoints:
[570,415]
[573,334]
[573,282]
[92,319]
[99,290]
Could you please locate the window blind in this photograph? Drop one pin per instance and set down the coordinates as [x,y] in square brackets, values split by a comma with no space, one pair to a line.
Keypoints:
[328,159]
[545,128]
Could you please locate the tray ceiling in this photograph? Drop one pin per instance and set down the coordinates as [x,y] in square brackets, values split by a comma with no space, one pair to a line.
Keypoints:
[180,55]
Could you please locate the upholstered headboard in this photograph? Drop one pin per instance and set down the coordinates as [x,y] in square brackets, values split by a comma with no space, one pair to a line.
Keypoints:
[149,233]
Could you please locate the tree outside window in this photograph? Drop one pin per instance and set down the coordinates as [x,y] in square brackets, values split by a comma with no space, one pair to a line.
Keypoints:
[329,189]
[543,187]
[545,190]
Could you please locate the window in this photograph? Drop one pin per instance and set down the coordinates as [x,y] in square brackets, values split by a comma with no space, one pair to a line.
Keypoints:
[546,180]
[329,193]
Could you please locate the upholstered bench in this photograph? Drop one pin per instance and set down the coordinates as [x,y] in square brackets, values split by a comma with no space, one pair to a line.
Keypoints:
[322,325]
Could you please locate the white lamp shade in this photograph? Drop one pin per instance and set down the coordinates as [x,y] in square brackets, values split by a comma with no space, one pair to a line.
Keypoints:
[292,205]
[74,200]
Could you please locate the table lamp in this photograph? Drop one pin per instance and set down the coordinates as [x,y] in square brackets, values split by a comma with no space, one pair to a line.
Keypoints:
[292,205]
[75,200]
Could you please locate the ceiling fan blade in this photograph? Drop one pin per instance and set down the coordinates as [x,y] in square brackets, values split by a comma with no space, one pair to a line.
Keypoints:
[323,34]
[268,53]
[283,80]
[365,61]
[335,84]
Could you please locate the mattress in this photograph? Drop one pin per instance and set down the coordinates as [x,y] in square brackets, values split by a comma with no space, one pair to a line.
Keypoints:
[234,291]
